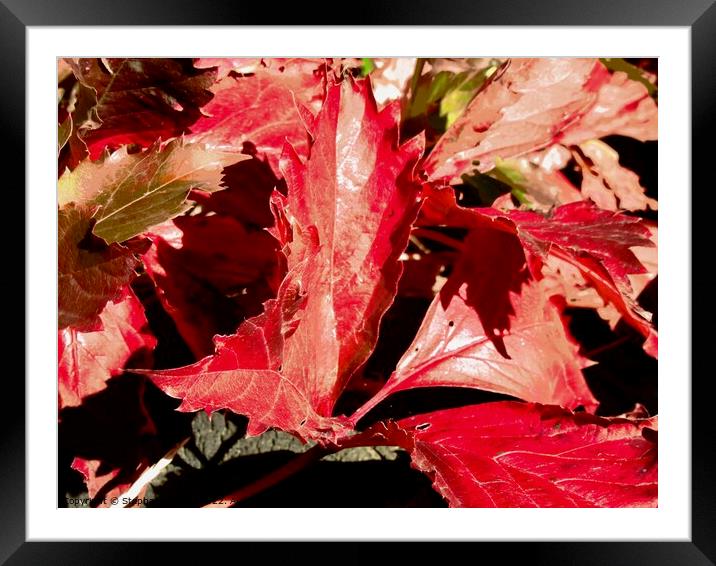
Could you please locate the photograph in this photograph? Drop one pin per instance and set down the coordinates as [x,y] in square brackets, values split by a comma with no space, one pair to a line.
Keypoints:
[358,282]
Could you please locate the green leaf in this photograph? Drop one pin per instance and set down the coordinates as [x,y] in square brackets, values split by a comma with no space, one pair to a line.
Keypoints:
[429,90]
[505,177]
[90,272]
[456,100]
[140,190]
[634,73]
[367,66]
[64,131]
[487,188]
[444,95]
[510,175]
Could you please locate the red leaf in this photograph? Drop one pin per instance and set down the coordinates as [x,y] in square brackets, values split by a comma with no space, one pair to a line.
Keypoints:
[141,100]
[261,109]
[526,104]
[623,107]
[351,206]
[566,279]
[356,189]
[582,228]
[491,268]
[211,273]
[578,230]
[532,103]
[606,180]
[88,359]
[510,454]
[453,348]
[245,374]
[597,242]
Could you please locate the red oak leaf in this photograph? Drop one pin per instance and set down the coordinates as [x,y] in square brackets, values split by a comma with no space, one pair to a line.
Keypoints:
[350,207]
[453,348]
[88,359]
[211,273]
[262,109]
[510,454]
[530,104]
[140,100]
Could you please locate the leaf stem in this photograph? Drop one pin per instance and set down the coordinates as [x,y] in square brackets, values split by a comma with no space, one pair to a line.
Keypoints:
[439,237]
[414,80]
[369,405]
[292,467]
[606,347]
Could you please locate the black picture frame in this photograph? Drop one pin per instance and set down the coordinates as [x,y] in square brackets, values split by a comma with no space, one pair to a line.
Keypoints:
[698,15]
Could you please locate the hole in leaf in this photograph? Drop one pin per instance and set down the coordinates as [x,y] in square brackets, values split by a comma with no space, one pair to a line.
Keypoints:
[423,426]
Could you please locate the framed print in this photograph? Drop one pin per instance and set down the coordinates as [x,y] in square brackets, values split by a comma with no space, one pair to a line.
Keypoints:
[329,279]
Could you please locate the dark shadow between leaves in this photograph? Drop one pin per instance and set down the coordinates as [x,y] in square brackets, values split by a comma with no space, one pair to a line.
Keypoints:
[114,427]
[375,483]
[625,374]
[404,404]
[249,186]
[398,328]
